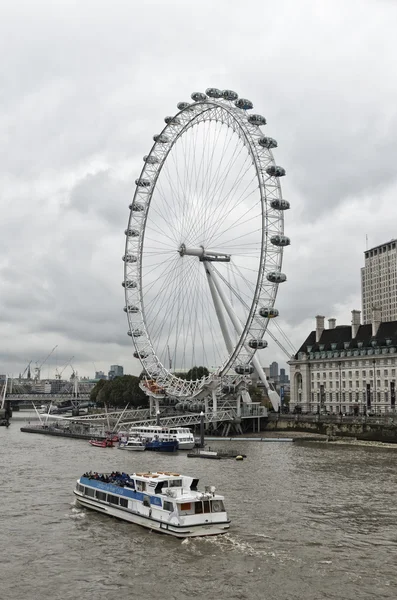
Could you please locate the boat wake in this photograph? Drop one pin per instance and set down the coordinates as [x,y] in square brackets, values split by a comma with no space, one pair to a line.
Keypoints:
[226,543]
[76,513]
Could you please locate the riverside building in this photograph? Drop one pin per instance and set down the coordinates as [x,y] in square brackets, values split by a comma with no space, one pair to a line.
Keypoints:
[379,282]
[348,369]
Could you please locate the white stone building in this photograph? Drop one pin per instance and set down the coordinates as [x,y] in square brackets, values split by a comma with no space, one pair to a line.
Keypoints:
[348,369]
[379,282]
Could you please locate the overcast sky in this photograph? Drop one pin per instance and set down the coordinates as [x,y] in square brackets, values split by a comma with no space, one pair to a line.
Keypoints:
[85,85]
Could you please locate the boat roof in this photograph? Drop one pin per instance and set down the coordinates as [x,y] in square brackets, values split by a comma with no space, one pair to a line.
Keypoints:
[160,475]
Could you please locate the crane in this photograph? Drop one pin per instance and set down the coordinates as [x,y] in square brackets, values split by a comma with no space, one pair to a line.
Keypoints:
[38,369]
[58,374]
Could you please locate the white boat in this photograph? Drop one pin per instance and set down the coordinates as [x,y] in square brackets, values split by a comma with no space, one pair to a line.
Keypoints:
[132,443]
[182,435]
[162,501]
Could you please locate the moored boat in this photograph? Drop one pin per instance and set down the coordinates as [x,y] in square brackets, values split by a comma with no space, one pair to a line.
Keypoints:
[162,501]
[182,435]
[134,444]
[102,443]
[162,445]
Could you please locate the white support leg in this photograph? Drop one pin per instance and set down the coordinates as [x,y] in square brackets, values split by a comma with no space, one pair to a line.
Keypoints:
[273,395]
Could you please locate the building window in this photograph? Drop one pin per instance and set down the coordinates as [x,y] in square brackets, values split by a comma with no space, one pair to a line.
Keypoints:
[357,384]
[385,373]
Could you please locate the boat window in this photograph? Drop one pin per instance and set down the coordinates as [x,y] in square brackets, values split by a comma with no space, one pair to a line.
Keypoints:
[185,508]
[101,495]
[159,487]
[146,501]
[193,485]
[141,486]
[217,506]
[168,506]
[206,506]
[175,482]
[198,508]
[80,488]
[89,492]
[113,499]
[124,502]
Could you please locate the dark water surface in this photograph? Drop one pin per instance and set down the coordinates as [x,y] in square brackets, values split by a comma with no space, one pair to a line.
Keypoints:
[309,522]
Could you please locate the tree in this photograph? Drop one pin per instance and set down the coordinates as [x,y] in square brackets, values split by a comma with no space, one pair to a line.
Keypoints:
[119,392]
[197,373]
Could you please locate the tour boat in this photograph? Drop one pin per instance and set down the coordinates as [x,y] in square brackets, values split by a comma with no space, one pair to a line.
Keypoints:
[135,444]
[161,445]
[102,443]
[162,501]
[182,435]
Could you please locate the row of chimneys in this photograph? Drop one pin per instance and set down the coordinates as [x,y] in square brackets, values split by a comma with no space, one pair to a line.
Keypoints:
[356,322]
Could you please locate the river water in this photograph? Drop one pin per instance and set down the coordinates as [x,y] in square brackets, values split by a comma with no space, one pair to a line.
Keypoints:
[309,521]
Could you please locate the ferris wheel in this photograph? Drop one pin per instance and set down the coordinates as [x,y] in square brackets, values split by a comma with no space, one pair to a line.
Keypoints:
[204,245]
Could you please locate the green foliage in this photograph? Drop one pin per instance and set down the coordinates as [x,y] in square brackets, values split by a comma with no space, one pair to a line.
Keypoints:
[119,392]
[197,373]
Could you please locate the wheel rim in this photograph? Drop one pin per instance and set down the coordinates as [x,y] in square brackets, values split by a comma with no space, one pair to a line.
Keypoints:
[203,184]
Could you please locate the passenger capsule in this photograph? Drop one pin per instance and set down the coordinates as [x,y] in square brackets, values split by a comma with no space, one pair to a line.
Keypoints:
[229,95]
[257,344]
[136,333]
[131,232]
[213,92]
[131,308]
[198,97]
[183,105]
[244,104]
[275,171]
[256,120]
[172,121]
[129,284]
[268,312]
[276,277]
[160,138]
[244,369]
[267,142]
[141,354]
[136,207]
[142,182]
[280,240]
[228,389]
[151,160]
[279,204]
[129,258]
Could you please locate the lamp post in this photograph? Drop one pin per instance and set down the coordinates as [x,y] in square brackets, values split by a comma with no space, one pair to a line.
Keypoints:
[374,387]
[201,429]
[157,417]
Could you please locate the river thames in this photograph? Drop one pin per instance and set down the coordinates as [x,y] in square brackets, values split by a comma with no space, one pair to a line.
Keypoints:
[309,521]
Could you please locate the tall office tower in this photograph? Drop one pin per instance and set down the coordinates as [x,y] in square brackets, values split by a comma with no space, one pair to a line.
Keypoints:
[274,370]
[283,378]
[379,282]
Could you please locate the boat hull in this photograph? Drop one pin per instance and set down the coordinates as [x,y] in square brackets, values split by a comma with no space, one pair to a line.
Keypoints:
[162,446]
[132,448]
[154,524]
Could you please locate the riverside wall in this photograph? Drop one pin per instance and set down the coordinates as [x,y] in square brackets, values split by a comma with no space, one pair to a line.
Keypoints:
[375,429]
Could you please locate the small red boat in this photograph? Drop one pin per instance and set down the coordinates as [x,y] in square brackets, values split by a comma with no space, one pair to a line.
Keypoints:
[102,443]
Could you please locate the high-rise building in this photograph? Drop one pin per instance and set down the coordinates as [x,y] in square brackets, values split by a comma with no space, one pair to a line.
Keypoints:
[274,371]
[283,376]
[100,375]
[379,282]
[115,371]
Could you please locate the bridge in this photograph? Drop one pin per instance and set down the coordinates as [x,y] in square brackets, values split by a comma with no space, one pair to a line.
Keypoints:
[54,398]
[143,418]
